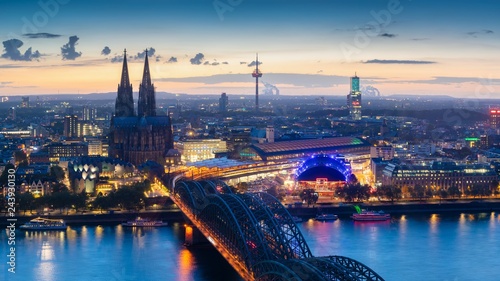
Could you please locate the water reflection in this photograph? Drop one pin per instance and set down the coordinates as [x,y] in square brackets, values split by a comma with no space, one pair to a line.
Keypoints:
[186,265]
[434,222]
[45,271]
[492,225]
[47,252]
[415,247]
[99,233]
[403,226]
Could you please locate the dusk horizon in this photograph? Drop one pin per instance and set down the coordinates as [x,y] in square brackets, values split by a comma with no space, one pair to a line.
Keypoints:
[395,47]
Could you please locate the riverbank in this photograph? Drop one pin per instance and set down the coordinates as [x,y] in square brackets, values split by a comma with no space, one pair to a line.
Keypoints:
[400,208]
[175,215]
[105,218]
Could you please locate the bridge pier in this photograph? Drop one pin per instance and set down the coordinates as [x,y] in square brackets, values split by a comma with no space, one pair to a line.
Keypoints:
[193,236]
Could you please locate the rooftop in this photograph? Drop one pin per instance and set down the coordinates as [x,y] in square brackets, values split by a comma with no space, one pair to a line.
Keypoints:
[309,144]
[219,162]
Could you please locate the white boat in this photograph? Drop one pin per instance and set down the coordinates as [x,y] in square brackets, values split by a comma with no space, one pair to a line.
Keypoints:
[144,222]
[44,224]
[326,217]
[371,216]
[296,219]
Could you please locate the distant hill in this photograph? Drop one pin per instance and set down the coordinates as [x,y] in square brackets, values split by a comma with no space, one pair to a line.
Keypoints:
[433,97]
[112,95]
[91,96]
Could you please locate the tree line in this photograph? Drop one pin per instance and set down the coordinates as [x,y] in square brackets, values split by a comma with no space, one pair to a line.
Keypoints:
[61,199]
[358,192]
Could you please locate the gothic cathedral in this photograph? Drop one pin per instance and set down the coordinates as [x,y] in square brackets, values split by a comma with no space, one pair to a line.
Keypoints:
[142,137]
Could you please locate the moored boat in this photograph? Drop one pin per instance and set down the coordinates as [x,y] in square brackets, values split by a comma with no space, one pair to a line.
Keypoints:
[44,224]
[326,217]
[296,219]
[371,216]
[144,222]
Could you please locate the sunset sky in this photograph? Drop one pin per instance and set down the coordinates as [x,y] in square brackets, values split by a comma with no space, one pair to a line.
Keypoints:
[205,47]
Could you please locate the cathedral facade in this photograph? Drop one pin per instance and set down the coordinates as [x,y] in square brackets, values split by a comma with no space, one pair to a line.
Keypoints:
[140,137]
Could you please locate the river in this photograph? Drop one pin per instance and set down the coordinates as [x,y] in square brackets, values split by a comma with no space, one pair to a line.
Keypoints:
[456,247]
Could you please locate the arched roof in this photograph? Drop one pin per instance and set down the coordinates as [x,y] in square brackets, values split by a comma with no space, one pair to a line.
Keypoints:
[331,167]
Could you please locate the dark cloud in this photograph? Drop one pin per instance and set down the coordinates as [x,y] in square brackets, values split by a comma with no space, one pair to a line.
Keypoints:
[365,28]
[302,80]
[388,35]
[253,63]
[172,60]
[225,62]
[41,35]
[419,39]
[197,59]
[106,51]
[138,57]
[11,51]
[206,63]
[3,84]
[400,61]
[10,66]
[117,59]
[35,55]
[475,34]
[9,84]
[68,51]
[243,62]
[214,63]
[151,52]
[455,80]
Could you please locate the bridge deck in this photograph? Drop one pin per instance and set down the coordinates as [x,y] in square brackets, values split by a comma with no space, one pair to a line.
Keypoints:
[257,236]
[237,265]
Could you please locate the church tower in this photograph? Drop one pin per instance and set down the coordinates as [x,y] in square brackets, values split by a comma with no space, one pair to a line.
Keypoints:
[354,99]
[147,100]
[124,106]
[142,137]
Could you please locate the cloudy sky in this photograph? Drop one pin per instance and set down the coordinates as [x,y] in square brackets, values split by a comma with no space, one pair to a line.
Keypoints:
[414,47]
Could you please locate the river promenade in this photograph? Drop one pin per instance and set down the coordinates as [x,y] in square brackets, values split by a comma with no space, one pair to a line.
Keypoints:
[402,207]
[342,209]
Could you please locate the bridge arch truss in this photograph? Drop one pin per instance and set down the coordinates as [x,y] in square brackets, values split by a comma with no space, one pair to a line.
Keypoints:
[258,235]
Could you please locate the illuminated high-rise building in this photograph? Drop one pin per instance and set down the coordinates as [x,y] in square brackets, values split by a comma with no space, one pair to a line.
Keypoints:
[89,113]
[223,101]
[12,113]
[354,99]
[70,126]
[25,102]
[495,117]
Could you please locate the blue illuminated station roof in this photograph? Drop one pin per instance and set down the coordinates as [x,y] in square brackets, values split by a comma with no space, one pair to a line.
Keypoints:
[307,146]
[314,173]
[330,167]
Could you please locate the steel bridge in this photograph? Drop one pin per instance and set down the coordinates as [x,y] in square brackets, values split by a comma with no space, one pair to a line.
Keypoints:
[258,237]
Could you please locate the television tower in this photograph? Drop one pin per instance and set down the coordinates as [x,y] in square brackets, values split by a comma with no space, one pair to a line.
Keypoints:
[256,73]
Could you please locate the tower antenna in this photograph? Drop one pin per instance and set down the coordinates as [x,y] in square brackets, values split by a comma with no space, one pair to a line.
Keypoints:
[256,73]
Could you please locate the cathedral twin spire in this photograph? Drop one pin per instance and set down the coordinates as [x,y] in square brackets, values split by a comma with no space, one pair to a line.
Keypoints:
[146,105]
[147,102]
[124,106]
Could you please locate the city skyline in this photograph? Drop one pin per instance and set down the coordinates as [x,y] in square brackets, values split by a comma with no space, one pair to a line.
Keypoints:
[208,47]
